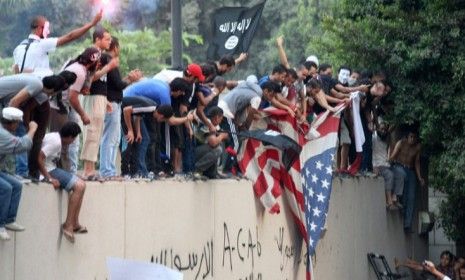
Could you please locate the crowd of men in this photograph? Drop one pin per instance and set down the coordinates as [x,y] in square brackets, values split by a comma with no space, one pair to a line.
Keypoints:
[178,123]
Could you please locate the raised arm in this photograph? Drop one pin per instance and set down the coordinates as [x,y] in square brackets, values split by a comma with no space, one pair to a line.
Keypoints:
[281,52]
[78,32]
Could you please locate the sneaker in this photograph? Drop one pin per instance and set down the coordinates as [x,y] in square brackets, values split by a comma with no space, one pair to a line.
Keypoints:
[22,179]
[199,176]
[14,227]
[3,234]
[178,177]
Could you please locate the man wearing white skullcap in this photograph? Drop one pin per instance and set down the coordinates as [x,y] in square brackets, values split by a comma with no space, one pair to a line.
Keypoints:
[10,187]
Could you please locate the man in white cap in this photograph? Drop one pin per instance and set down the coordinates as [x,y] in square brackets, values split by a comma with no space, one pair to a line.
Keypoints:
[10,187]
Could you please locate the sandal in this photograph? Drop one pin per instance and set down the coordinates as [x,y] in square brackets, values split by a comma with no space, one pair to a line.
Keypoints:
[94,178]
[67,234]
[81,229]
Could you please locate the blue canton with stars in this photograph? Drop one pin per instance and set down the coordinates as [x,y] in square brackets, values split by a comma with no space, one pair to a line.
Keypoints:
[317,179]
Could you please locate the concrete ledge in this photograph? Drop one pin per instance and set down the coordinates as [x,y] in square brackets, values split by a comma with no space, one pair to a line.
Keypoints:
[207,230]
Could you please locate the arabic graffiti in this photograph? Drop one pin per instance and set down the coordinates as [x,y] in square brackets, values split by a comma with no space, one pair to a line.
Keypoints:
[199,262]
[288,252]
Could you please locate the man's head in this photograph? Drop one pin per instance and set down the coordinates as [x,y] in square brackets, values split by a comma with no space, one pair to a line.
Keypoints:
[163,113]
[114,46]
[326,69]
[179,87]
[69,132]
[314,59]
[307,69]
[101,38]
[270,89]
[220,83]
[90,58]
[193,73]
[215,114]
[343,75]
[226,64]
[278,74]
[378,89]
[313,87]
[11,117]
[354,77]
[446,258]
[40,26]
[56,83]
[291,77]
[412,137]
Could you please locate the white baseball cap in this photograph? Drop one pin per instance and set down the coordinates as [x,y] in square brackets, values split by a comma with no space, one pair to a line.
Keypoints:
[313,58]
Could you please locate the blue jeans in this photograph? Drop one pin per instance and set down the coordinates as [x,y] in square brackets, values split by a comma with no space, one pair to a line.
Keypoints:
[21,159]
[110,141]
[409,188]
[142,149]
[10,194]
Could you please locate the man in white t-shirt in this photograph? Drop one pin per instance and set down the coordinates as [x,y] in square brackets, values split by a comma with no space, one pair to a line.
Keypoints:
[31,55]
[59,178]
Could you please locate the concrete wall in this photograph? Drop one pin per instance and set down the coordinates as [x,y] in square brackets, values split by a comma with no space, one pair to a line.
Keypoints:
[207,230]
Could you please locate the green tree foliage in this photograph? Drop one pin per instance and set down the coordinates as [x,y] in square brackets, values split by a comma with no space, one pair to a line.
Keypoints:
[420,46]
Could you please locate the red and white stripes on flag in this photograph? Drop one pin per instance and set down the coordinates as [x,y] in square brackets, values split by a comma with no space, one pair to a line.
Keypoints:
[262,164]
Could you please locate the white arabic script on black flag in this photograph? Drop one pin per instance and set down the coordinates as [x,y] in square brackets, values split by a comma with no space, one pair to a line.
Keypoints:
[233,29]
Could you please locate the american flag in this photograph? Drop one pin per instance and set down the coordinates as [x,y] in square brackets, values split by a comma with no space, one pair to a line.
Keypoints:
[307,188]
[317,176]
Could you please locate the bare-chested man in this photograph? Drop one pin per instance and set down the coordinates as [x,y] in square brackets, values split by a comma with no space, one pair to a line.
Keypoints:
[406,167]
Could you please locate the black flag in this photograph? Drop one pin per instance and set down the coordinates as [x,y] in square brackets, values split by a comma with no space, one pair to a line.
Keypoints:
[233,30]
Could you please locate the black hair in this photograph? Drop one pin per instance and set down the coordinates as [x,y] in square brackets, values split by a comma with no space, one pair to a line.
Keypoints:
[366,74]
[54,82]
[69,77]
[228,60]
[219,82]
[279,69]
[447,253]
[314,83]
[324,67]
[179,84]
[309,65]
[114,43]
[35,22]
[214,111]
[271,86]
[165,110]
[70,129]
[344,67]
[99,32]
[208,69]
[291,72]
